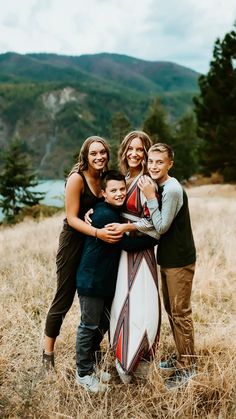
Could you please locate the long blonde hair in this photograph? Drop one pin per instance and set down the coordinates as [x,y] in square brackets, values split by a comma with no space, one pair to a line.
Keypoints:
[82,163]
[146,141]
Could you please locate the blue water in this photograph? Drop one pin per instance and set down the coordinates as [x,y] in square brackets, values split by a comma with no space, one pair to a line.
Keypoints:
[54,190]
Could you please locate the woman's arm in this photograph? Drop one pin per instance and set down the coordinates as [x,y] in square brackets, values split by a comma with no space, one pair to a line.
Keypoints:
[73,192]
[142,225]
[122,228]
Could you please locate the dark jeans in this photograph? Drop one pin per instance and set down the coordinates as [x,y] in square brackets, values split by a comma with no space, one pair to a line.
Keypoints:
[94,323]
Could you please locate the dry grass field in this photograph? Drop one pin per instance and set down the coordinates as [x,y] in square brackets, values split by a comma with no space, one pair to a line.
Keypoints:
[27,269]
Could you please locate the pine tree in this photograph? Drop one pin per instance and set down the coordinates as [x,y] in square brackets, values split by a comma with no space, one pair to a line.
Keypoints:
[155,123]
[185,145]
[216,110]
[120,127]
[16,179]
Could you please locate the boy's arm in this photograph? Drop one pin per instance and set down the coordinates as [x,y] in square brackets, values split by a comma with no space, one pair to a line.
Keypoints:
[143,225]
[137,243]
[146,226]
[107,215]
[170,205]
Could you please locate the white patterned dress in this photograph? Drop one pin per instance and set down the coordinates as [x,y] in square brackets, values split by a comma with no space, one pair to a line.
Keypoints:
[135,314]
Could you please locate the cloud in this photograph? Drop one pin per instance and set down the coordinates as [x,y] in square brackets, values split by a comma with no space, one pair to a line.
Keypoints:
[181,31]
[11,20]
[185,31]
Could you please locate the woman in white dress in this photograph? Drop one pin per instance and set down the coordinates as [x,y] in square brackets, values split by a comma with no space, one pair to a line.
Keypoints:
[135,314]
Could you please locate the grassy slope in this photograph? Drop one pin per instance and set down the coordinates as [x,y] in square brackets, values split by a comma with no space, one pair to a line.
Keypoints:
[28,280]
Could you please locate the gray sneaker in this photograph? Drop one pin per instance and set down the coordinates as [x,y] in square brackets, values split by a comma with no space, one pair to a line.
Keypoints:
[168,364]
[91,383]
[179,378]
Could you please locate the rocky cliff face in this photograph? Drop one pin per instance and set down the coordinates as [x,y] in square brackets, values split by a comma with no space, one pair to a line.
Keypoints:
[51,146]
[55,100]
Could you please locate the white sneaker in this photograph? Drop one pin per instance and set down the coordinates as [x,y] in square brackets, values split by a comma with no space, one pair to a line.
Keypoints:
[91,383]
[103,375]
[125,378]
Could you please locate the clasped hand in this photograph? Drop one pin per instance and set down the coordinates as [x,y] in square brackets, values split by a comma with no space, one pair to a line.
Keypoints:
[147,186]
[111,233]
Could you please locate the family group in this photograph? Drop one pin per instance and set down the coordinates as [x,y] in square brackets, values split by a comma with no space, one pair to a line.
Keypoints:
[119,227]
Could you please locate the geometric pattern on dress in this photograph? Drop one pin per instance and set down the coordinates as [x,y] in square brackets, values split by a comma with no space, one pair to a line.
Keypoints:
[145,347]
[122,333]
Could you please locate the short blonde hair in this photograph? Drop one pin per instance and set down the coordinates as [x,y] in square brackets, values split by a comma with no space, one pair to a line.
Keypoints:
[163,148]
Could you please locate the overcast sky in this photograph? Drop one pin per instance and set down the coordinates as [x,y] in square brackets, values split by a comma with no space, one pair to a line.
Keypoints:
[181,31]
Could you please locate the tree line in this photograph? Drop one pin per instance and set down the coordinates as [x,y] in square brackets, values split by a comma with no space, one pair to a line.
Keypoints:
[204,141]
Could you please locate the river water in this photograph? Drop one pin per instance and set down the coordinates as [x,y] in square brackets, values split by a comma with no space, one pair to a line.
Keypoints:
[54,190]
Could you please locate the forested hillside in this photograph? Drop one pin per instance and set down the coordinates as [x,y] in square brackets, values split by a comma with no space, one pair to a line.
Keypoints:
[53,102]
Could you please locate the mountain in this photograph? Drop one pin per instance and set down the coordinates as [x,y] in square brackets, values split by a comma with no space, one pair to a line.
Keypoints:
[132,73]
[55,101]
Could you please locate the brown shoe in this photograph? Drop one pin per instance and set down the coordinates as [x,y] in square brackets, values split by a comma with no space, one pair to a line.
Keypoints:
[48,362]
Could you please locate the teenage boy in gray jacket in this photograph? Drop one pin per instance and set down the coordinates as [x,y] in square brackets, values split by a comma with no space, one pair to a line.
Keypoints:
[176,256]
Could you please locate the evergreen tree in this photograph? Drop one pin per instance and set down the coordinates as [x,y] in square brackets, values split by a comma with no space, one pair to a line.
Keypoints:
[216,110]
[120,127]
[155,124]
[185,145]
[16,179]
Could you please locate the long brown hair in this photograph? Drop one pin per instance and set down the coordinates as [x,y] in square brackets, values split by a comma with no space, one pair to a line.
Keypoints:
[146,141]
[82,163]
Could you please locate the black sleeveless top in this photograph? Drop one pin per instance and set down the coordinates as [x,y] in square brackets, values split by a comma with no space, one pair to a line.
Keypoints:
[87,200]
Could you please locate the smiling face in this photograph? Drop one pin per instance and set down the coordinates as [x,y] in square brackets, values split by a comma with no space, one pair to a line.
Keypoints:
[158,165]
[97,156]
[135,154]
[115,192]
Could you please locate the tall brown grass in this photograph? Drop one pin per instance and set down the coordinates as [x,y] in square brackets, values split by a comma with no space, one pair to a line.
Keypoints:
[27,260]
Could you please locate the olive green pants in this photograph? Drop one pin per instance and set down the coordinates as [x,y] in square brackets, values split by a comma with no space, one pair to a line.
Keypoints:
[176,289]
[67,261]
